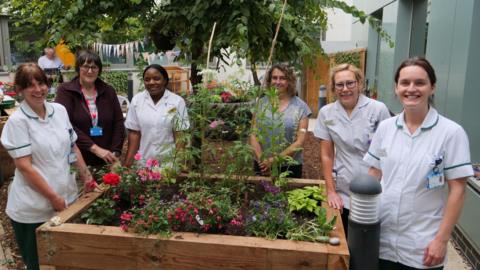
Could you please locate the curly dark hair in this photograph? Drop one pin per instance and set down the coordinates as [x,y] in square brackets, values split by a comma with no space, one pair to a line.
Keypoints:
[289,75]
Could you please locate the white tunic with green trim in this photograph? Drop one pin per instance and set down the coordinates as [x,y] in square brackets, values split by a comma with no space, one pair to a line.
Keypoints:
[49,142]
[410,212]
[351,136]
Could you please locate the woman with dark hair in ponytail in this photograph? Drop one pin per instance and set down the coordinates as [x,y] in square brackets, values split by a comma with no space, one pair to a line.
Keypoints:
[416,155]
[155,118]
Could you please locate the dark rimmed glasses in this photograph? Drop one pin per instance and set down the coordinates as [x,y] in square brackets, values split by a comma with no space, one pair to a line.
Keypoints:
[348,84]
[87,68]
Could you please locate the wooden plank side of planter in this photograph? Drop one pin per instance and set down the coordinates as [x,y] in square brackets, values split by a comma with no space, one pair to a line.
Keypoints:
[104,247]
[80,246]
[338,256]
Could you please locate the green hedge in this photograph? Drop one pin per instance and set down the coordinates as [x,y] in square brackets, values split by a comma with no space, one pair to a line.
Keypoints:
[117,79]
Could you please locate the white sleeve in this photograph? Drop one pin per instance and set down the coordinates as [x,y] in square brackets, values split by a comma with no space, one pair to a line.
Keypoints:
[131,122]
[182,122]
[372,157]
[16,137]
[384,113]
[320,130]
[457,156]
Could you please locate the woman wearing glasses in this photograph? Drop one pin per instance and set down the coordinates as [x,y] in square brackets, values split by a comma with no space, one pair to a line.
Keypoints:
[345,128]
[94,111]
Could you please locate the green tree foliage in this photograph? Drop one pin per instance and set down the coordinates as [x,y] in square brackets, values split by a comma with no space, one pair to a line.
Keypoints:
[36,23]
[247,27]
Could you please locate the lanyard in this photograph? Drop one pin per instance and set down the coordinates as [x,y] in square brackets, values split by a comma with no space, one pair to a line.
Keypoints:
[94,113]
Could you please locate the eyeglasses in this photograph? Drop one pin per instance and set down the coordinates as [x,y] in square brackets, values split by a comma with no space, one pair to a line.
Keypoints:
[87,68]
[348,84]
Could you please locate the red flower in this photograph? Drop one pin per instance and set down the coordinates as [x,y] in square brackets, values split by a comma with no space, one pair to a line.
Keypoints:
[111,179]
[225,96]
[90,185]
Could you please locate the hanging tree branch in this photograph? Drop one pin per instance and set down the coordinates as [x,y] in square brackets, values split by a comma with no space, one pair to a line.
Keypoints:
[274,41]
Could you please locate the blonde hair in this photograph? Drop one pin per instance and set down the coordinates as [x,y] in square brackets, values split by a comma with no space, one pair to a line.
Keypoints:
[342,67]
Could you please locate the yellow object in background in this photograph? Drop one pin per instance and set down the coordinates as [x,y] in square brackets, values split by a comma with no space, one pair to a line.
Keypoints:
[65,55]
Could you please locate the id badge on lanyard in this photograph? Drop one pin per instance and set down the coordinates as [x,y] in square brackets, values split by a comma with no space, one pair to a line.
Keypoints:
[435,177]
[95,130]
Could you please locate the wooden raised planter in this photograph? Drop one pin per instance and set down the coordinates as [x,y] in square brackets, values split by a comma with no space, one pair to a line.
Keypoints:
[81,246]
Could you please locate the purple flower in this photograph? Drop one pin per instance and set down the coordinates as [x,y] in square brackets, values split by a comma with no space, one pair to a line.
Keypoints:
[270,188]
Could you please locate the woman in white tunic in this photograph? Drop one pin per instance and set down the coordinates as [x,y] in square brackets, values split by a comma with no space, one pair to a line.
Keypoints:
[41,140]
[417,154]
[346,125]
[155,118]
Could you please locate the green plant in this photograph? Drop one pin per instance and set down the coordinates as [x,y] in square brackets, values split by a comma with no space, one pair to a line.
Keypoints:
[117,79]
[270,132]
[352,58]
[102,211]
[315,230]
[268,219]
[150,219]
[306,199]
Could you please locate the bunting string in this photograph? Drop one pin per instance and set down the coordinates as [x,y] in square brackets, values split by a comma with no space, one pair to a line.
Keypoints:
[117,50]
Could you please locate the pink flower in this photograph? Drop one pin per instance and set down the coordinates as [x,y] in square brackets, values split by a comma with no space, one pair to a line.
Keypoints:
[152,162]
[124,227]
[141,199]
[216,123]
[143,174]
[126,216]
[137,156]
[154,176]
[116,197]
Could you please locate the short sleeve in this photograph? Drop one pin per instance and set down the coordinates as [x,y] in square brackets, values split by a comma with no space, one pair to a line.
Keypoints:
[131,122]
[320,130]
[182,122]
[306,112]
[16,138]
[62,111]
[384,112]
[372,157]
[457,156]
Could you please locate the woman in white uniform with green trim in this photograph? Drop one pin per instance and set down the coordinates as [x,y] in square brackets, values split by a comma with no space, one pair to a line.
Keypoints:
[345,128]
[41,140]
[418,154]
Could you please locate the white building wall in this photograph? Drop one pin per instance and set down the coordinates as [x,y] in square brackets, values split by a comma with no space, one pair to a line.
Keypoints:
[339,32]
